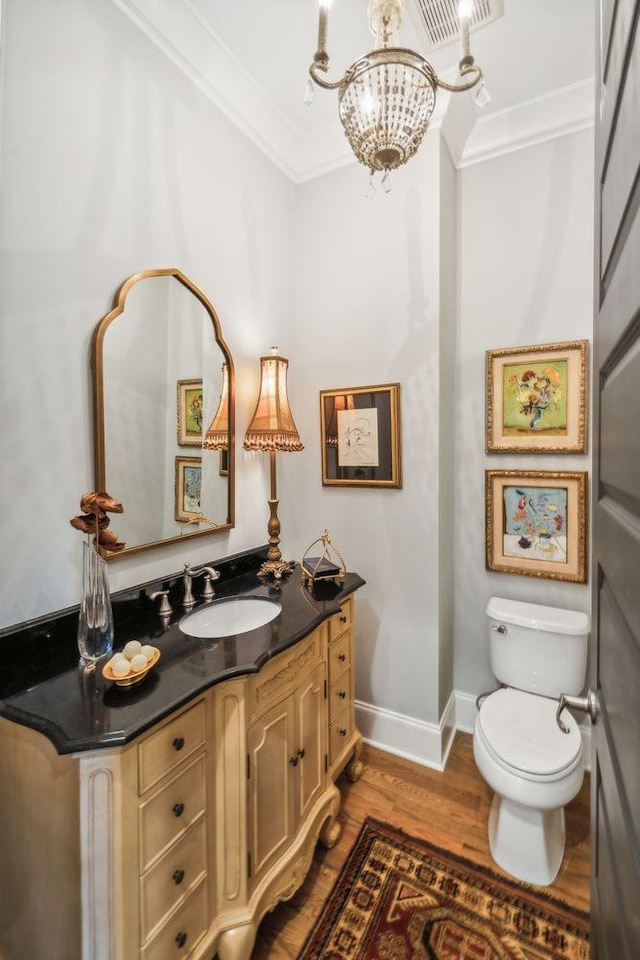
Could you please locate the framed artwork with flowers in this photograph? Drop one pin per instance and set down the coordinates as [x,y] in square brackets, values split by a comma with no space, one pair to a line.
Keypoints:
[536,523]
[537,398]
[190,409]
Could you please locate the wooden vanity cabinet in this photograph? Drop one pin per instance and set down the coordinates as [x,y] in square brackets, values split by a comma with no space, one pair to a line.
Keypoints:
[345,742]
[287,753]
[188,835]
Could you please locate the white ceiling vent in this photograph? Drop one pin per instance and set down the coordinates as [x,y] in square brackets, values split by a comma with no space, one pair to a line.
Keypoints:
[438,19]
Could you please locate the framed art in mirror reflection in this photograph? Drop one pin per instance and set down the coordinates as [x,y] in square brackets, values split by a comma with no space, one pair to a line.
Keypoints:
[190,411]
[188,502]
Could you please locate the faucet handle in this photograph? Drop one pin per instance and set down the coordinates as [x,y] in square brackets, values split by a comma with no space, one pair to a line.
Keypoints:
[165,607]
[207,590]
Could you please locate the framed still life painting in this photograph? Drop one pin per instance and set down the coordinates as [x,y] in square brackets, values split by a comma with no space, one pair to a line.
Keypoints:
[190,411]
[360,436]
[536,523]
[536,398]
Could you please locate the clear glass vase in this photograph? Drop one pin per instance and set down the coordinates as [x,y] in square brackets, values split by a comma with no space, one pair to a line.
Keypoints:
[95,623]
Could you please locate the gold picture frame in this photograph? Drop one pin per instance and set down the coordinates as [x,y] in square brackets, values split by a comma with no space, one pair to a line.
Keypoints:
[536,523]
[536,398]
[190,412]
[188,486]
[360,436]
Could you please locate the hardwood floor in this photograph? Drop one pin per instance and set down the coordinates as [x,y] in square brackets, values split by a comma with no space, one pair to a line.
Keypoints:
[449,809]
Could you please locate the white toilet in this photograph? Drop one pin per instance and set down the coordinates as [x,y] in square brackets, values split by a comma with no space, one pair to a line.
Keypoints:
[535,769]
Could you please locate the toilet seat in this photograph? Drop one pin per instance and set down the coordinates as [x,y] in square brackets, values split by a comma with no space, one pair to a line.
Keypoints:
[520,732]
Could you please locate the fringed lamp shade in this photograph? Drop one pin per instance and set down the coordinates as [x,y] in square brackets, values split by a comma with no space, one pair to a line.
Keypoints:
[272,426]
[217,436]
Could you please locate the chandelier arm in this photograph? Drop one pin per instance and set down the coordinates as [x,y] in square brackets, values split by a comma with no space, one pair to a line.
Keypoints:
[467,84]
[326,84]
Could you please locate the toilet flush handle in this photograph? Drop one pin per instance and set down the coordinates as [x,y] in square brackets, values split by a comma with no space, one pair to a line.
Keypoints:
[500,628]
[589,704]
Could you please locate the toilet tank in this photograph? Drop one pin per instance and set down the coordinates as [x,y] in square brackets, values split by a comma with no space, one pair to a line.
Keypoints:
[537,648]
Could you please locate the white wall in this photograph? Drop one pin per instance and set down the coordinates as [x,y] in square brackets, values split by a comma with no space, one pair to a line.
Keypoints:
[113,162]
[525,277]
[378,298]
[368,312]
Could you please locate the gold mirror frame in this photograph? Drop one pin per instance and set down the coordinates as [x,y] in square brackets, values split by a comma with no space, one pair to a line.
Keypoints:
[99,407]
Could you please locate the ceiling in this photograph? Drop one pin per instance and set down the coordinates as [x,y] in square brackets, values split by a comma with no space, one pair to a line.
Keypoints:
[252,58]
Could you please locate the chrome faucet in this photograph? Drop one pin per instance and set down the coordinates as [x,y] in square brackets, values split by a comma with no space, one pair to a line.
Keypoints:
[188,574]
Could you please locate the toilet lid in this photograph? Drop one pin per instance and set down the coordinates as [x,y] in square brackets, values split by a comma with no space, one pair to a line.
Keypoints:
[522,731]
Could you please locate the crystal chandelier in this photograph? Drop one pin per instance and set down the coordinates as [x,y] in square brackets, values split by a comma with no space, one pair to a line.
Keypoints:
[387,97]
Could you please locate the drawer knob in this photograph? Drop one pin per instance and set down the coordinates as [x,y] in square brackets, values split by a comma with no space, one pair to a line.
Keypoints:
[342,657]
[178,743]
[293,761]
[181,939]
[343,619]
[178,809]
[342,694]
[301,752]
[342,732]
[178,877]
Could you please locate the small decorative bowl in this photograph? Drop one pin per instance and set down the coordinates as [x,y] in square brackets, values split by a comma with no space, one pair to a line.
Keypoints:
[131,678]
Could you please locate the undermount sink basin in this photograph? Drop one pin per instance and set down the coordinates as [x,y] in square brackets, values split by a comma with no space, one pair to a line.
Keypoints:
[227,618]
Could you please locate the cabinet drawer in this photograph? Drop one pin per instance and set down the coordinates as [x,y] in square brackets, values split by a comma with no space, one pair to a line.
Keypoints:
[168,814]
[339,693]
[340,622]
[340,733]
[339,656]
[169,746]
[173,877]
[180,935]
[279,677]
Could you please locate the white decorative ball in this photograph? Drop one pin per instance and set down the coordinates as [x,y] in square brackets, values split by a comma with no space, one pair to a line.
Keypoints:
[132,648]
[138,662]
[148,651]
[120,667]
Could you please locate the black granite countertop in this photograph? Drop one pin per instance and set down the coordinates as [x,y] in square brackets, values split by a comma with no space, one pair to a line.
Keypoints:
[43,686]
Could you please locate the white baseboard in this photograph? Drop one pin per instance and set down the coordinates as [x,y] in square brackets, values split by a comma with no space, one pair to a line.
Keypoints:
[429,743]
[416,740]
[465,711]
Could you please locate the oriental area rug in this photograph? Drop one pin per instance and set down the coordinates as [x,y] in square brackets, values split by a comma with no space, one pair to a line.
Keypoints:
[400,898]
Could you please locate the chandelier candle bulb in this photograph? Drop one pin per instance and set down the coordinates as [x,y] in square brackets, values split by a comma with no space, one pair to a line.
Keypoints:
[464,38]
[465,9]
[321,58]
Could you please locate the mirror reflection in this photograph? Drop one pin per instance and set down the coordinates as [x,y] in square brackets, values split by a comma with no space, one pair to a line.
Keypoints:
[163,397]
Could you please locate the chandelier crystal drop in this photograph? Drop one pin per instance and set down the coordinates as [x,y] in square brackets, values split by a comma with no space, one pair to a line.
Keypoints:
[387,97]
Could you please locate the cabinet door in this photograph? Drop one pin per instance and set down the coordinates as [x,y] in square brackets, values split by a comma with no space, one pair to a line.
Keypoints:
[310,745]
[271,797]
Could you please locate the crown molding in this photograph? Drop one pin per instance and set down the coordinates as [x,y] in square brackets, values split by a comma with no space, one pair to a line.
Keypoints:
[190,43]
[562,111]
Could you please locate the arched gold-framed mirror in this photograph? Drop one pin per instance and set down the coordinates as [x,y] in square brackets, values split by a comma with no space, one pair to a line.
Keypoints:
[163,392]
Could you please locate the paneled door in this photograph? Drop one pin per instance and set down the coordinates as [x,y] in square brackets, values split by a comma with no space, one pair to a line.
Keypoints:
[615,771]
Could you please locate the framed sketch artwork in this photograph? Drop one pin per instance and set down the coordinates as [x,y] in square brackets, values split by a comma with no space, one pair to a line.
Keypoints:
[536,523]
[536,398]
[360,436]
